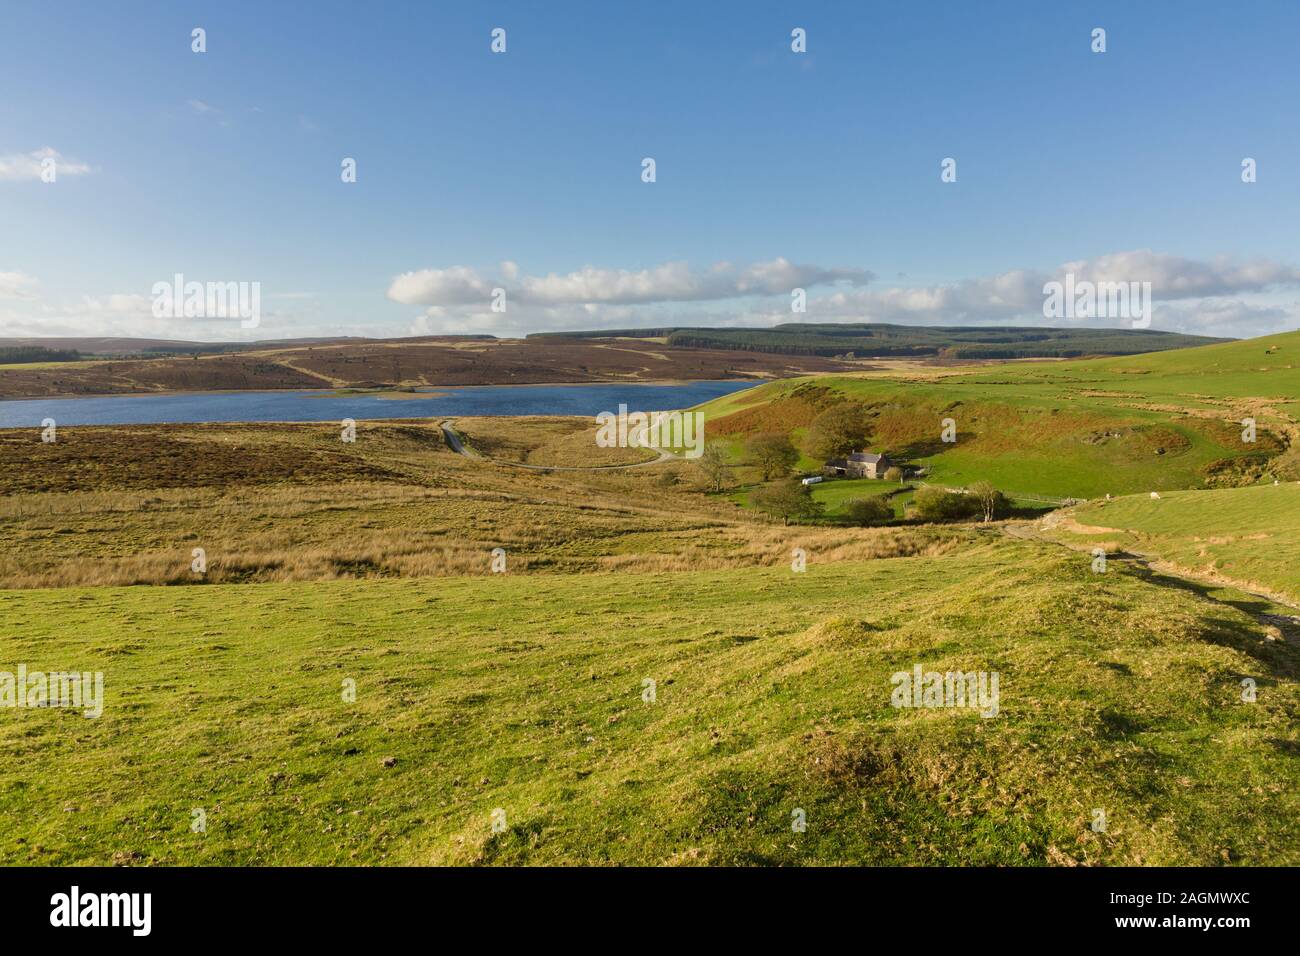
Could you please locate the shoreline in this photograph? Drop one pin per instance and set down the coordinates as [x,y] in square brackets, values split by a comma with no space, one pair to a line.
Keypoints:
[396,393]
[310,406]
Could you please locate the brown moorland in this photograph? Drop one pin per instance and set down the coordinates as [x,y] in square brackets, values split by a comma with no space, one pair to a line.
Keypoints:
[406,363]
[112,505]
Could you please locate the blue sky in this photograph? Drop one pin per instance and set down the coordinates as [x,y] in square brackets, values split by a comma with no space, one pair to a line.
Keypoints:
[523,170]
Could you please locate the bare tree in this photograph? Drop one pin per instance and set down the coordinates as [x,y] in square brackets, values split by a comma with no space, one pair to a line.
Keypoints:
[713,462]
[991,501]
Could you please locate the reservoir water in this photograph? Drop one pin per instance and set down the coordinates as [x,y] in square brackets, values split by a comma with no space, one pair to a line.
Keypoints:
[320,406]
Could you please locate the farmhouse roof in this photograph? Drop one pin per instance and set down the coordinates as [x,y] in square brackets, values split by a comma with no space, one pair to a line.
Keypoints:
[866,457]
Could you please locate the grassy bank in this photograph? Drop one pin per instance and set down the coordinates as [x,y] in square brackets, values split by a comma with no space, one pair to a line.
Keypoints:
[1247,535]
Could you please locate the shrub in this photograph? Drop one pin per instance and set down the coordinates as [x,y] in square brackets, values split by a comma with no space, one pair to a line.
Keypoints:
[1287,465]
[938,504]
[869,512]
[893,473]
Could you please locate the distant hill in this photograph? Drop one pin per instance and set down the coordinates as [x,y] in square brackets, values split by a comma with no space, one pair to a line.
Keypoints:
[117,365]
[115,346]
[27,354]
[882,340]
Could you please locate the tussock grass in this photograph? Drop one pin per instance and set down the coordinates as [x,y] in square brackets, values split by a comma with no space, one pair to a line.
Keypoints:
[431,513]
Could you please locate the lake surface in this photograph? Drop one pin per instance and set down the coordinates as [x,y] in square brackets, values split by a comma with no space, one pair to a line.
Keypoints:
[323,406]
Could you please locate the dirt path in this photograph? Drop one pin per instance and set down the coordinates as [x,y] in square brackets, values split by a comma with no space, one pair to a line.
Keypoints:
[1151,568]
[460,448]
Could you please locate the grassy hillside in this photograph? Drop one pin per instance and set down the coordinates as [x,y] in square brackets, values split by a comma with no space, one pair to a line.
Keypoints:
[1068,429]
[1247,535]
[772,694]
[1266,368]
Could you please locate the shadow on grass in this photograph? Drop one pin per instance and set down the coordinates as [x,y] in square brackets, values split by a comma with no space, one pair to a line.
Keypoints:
[927,448]
[1281,659]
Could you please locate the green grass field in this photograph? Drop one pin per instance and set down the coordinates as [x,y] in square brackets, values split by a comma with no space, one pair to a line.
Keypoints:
[1260,368]
[836,494]
[525,694]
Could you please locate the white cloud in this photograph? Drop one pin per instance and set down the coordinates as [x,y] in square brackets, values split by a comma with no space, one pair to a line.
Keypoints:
[1188,294]
[16,285]
[1173,277]
[670,282]
[458,285]
[1219,296]
[130,315]
[1227,317]
[118,303]
[19,167]
[213,113]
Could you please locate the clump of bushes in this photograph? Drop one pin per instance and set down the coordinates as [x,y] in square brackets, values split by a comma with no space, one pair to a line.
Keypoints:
[1287,465]
[981,501]
[869,512]
[933,503]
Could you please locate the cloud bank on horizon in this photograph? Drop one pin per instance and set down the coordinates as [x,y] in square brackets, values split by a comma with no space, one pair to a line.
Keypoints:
[1224,296]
